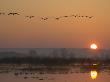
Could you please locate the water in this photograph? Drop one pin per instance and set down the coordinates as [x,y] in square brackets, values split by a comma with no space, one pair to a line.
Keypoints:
[33,73]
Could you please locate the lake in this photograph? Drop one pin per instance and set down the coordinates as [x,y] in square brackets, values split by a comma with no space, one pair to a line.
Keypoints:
[70,73]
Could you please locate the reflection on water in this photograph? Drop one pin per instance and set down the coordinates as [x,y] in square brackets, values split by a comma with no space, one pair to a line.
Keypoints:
[76,73]
[93,74]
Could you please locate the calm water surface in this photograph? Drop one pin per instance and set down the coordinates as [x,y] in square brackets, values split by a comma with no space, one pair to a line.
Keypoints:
[23,73]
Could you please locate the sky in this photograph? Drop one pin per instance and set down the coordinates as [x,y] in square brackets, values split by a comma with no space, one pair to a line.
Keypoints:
[20,32]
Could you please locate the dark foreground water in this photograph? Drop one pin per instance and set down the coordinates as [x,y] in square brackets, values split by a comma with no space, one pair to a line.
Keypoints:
[76,73]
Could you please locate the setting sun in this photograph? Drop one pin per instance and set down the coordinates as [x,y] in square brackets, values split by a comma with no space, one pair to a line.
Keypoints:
[93,46]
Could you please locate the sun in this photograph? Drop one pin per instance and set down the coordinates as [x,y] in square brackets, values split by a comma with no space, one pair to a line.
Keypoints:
[93,46]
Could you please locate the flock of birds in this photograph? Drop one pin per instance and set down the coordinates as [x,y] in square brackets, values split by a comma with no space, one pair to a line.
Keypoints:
[46,18]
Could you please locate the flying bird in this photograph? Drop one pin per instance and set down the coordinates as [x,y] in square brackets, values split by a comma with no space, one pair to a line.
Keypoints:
[44,18]
[57,18]
[1,13]
[86,16]
[82,16]
[75,16]
[90,17]
[13,14]
[65,16]
[30,17]
[79,16]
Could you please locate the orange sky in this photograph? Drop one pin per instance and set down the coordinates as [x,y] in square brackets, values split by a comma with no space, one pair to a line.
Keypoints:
[18,32]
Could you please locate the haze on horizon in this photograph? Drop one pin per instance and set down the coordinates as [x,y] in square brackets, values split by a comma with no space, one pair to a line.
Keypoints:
[18,32]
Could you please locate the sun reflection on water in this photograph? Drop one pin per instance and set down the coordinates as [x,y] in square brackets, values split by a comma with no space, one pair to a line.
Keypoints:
[93,74]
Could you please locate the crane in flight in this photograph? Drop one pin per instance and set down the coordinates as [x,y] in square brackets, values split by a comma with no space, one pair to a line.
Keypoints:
[57,18]
[44,18]
[86,16]
[30,17]
[65,16]
[2,13]
[90,17]
[13,14]
[82,16]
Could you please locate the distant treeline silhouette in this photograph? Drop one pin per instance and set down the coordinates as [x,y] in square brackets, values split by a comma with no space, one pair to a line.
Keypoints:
[51,61]
[52,57]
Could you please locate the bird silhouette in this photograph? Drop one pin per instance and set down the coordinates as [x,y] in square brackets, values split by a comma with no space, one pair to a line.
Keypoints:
[1,13]
[86,16]
[82,16]
[30,17]
[75,16]
[44,18]
[57,18]
[13,14]
[90,17]
[65,16]
[79,16]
